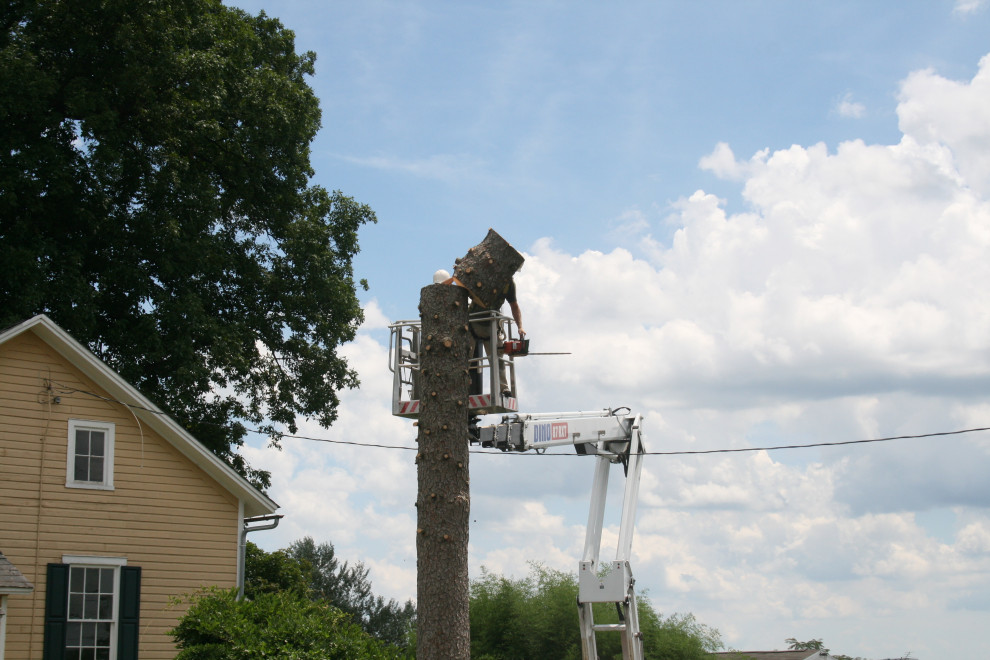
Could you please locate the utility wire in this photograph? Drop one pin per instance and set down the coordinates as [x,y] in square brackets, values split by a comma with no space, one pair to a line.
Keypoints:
[814,444]
[686,452]
[655,453]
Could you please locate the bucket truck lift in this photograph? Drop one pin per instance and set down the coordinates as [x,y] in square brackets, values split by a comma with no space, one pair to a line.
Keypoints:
[611,437]
[487,367]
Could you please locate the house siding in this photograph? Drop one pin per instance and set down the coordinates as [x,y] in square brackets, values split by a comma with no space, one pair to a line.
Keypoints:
[164,513]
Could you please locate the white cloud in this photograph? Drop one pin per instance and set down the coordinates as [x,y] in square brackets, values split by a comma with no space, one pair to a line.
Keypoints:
[951,115]
[374,319]
[964,7]
[848,108]
[451,168]
[723,164]
[848,302]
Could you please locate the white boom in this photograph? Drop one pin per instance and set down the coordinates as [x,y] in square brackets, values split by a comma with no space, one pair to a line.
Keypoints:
[613,439]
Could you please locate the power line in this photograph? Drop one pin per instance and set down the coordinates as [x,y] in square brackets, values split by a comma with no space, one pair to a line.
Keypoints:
[685,452]
[816,444]
[656,453]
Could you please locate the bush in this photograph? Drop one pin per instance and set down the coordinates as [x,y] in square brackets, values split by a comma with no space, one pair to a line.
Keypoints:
[273,625]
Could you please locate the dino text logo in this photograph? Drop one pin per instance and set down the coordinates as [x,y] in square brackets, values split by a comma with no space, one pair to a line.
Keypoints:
[548,432]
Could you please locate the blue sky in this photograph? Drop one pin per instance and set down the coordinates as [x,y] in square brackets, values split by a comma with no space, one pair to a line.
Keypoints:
[555,119]
[756,223]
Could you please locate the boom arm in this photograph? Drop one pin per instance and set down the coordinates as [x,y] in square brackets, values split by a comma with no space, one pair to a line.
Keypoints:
[613,439]
[590,432]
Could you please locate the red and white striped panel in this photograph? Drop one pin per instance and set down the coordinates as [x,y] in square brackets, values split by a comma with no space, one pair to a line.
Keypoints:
[479,400]
[474,401]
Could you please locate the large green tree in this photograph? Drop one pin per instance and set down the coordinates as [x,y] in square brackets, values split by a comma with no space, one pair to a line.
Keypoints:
[155,201]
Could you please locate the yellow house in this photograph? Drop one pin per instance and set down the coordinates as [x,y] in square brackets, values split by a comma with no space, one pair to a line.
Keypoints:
[107,506]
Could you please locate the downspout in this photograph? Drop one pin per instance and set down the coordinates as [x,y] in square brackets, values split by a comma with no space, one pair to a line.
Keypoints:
[3,623]
[271,522]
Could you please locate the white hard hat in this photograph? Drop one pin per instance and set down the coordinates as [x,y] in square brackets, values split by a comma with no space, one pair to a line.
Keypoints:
[440,276]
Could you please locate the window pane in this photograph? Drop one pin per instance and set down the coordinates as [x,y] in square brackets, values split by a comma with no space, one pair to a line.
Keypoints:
[73,634]
[96,469]
[81,473]
[106,606]
[88,634]
[103,634]
[91,608]
[92,580]
[106,580]
[82,442]
[76,579]
[87,654]
[96,443]
[71,654]
[103,654]
[75,606]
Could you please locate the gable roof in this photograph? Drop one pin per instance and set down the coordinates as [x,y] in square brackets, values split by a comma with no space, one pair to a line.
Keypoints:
[11,580]
[255,502]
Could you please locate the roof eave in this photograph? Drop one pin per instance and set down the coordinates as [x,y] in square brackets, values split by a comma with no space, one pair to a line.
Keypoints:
[255,502]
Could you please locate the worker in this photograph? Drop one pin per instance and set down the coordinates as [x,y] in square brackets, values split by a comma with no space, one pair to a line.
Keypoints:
[482,330]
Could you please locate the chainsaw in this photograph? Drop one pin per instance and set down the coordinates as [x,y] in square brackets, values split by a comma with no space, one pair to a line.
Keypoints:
[520,347]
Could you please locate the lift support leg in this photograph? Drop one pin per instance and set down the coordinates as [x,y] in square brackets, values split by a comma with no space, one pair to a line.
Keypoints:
[616,585]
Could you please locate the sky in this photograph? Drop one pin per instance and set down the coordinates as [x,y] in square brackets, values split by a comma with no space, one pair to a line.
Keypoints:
[754,223]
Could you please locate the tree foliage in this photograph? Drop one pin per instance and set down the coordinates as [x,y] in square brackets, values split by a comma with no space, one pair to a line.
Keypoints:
[810,645]
[273,572]
[155,202]
[537,617]
[815,645]
[271,625]
[313,571]
[347,587]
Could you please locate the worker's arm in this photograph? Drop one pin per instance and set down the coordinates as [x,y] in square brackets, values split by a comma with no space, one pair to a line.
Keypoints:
[517,317]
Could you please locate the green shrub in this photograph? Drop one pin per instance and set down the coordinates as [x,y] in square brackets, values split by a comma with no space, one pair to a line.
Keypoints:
[279,625]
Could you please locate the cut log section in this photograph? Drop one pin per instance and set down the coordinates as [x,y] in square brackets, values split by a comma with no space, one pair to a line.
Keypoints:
[486,270]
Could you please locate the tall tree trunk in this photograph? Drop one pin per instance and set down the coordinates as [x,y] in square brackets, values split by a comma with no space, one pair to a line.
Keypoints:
[444,500]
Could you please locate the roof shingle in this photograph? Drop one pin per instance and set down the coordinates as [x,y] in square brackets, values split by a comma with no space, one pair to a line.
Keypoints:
[11,580]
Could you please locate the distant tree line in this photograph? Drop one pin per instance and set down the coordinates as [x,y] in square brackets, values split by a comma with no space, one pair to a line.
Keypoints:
[536,617]
[819,645]
[304,603]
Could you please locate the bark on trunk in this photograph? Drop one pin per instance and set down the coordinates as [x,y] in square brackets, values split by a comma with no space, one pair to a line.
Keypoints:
[443,502]
[487,269]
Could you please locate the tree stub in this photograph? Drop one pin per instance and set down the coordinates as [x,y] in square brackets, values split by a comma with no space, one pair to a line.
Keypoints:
[442,514]
[491,265]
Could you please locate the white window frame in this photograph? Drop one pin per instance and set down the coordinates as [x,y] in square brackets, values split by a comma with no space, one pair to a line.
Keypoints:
[86,561]
[108,428]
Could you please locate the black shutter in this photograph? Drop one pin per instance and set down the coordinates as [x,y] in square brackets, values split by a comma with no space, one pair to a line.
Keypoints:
[128,612]
[56,611]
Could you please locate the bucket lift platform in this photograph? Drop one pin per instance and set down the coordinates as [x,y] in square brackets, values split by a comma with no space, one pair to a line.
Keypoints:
[486,382]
